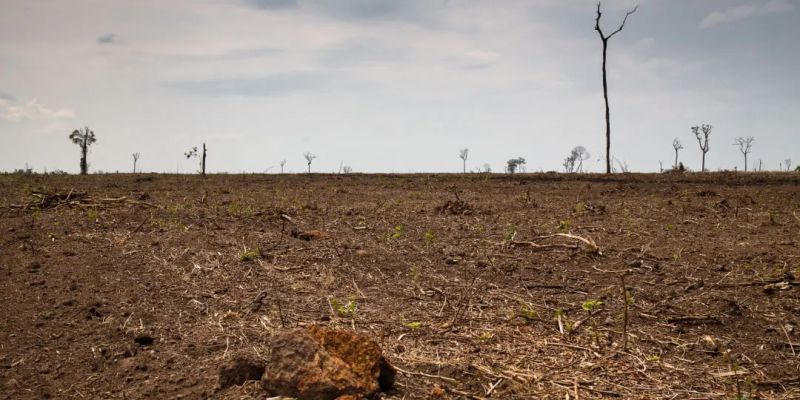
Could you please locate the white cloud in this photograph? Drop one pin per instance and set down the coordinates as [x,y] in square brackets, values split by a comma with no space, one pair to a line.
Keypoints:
[32,111]
[744,11]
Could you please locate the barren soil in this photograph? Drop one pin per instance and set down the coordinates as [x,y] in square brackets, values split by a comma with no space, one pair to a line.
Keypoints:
[140,287]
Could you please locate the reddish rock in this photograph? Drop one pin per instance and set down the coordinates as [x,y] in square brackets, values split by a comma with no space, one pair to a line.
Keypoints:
[323,364]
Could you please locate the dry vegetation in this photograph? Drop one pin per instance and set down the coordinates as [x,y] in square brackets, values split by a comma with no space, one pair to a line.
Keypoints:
[476,286]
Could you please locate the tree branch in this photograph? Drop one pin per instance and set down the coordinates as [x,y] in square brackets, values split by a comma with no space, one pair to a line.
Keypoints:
[597,22]
[627,14]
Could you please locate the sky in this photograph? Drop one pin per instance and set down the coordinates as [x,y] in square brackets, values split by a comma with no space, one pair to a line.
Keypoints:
[394,86]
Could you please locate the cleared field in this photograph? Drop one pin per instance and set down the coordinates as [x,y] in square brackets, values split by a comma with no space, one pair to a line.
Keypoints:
[486,286]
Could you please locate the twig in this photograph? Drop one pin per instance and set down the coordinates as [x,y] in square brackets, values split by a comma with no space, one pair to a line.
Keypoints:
[788,340]
[624,313]
[444,378]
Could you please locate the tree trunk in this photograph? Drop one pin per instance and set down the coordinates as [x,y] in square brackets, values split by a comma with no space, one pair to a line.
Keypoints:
[676,160]
[203,166]
[465,167]
[608,113]
[134,166]
[84,164]
[745,162]
[703,165]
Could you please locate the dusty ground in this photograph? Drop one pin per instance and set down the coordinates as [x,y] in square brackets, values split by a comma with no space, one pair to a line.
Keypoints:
[436,268]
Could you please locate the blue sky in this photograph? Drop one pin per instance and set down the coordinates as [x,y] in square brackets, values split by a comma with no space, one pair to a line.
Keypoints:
[388,86]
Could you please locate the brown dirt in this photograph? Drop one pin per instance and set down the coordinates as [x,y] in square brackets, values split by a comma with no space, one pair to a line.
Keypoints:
[142,286]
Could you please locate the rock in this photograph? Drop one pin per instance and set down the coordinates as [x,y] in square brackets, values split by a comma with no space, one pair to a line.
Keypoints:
[323,364]
[239,370]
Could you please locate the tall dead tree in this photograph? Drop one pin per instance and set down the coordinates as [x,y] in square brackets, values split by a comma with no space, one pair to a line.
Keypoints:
[702,133]
[745,146]
[605,39]
[309,158]
[282,163]
[463,154]
[676,144]
[135,159]
[83,138]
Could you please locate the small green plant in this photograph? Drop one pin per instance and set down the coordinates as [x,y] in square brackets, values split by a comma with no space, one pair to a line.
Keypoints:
[580,207]
[429,237]
[511,232]
[486,336]
[653,358]
[528,313]
[414,325]
[414,274]
[344,310]
[564,225]
[93,214]
[591,305]
[249,255]
[670,227]
[397,232]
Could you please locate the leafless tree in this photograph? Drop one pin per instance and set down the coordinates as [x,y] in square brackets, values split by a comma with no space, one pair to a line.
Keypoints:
[676,144]
[574,162]
[282,163]
[347,169]
[135,159]
[83,138]
[745,146]
[702,133]
[194,153]
[463,156]
[487,168]
[605,39]
[309,158]
[788,163]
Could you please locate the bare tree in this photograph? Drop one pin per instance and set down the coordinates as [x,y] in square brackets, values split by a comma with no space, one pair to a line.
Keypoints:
[135,159]
[347,169]
[309,158]
[194,153]
[745,146]
[676,144]
[463,156]
[605,39]
[788,163]
[574,162]
[83,138]
[282,163]
[702,133]
[487,168]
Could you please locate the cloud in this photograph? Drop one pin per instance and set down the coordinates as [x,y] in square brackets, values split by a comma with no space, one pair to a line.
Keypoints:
[273,4]
[108,38]
[273,85]
[32,111]
[744,11]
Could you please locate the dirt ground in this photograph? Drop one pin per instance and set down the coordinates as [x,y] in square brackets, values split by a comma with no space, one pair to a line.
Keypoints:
[475,286]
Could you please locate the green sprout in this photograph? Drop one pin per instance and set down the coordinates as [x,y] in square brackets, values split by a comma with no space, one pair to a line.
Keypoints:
[414,325]
[250,255]
[564,225]
[591,305]
[528,313]
[344,310]
[429,237]
[511,233]
[397,232]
